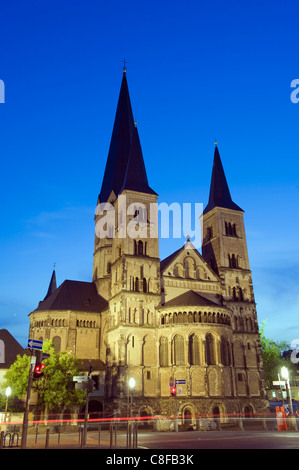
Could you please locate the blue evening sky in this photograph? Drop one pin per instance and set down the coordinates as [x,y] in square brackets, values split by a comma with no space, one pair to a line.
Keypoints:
[196,71]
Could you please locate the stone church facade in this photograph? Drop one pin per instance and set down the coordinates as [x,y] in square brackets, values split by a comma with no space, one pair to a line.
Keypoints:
[190,317]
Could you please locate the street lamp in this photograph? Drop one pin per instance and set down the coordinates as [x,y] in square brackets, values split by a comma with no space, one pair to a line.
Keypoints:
[132,384]
[285,376]
[7,393]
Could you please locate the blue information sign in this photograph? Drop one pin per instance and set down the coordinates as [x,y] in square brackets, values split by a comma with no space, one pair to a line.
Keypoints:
[35,344]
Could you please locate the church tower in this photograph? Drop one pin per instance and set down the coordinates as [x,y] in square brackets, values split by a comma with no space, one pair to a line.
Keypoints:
[224,241]
[225,249]
[126,257]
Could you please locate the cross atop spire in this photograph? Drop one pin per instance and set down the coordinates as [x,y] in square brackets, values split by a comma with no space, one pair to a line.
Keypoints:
[124,67]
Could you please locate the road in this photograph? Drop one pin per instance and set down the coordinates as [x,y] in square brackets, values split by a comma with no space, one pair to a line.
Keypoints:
[253,439]
[220,440]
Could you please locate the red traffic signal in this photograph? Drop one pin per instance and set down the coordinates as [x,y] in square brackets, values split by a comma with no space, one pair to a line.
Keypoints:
[173,391]
[38,370]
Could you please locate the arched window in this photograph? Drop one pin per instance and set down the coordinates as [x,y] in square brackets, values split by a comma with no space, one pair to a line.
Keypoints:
[193,350]
[210,350]
[136,284]
[163,352]
[144,285]
[178,350]
[225,352]
[140,248]
[56,343]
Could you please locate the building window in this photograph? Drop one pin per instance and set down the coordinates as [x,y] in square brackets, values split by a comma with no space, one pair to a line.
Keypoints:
[163,350]
[193,347]
[210,350]
[178,350]
[139,248]
[233,261]
[56,343]
[230,229]
[148,374]
[225,352]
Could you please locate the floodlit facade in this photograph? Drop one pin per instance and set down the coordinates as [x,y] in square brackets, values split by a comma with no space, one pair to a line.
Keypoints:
[190,317]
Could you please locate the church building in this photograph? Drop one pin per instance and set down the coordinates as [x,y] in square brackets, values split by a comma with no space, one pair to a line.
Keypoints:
[189,320]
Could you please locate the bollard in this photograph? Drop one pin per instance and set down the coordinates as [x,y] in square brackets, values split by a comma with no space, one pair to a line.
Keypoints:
[135,444]
[59,431]
[111,435]
[99,439]
[241,424]
[47,438]
[36,433]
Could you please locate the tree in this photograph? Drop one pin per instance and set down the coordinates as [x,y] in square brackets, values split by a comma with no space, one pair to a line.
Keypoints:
[56,389]
[273,358]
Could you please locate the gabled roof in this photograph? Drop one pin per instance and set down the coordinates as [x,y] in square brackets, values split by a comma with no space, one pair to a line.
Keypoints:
[219,191]
[164,264]
[11,349]
[167,261]
[74,295]
[190,298]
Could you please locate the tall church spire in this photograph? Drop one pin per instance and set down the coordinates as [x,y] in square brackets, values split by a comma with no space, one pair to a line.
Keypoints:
[52,285]
[120,144]
[135,177]
[219,191]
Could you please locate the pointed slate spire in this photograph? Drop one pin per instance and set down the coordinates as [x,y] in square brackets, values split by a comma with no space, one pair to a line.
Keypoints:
[120,144]
[219,191]
[52,285]
[135,177]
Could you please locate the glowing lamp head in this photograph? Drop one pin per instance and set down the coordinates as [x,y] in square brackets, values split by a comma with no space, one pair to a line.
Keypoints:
[132,382]
[284,373]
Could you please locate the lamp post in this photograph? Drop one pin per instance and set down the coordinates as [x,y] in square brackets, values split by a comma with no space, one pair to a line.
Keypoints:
[285,376]
[132,384]
[7,393]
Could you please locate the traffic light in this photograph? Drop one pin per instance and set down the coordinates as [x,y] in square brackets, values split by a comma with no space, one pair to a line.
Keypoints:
[173,391]
[38,370]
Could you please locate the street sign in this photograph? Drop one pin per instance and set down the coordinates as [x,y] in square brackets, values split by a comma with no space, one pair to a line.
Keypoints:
[170,384]
[85,385]
[33,360]
[35,344]
[179,390]
[279,382]
[180,382]
[80,378]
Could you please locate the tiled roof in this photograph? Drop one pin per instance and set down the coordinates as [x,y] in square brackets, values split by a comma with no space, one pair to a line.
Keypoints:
[190,298]
[74,295]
